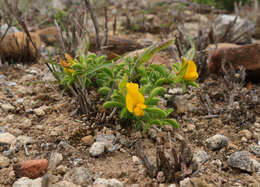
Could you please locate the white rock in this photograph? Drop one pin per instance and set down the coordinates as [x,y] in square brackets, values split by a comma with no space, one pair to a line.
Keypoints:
[7,138]
[97,148]
[26,182]
[107,183]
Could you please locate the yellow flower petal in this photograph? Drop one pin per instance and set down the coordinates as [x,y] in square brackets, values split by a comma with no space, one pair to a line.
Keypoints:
[134,99]
[191,71]
[129,103]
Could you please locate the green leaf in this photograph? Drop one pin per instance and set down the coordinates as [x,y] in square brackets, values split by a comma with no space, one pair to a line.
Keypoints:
[153,101]
[122,85]
[111,104]
[155,92]
[146,126]
[97,68]
[162,81]
[171,122]
[100,59]
[192,83]
[108,71]
[155,111]
[123,113]
[104,91]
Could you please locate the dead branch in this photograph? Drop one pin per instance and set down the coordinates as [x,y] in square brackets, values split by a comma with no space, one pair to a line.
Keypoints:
[94,20]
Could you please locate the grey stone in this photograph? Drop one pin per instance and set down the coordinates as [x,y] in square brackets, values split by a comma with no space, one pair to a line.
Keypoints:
[4,162]
[222,22]
[240,160]
[7,107]
[26,182]
[107,183]
[97,148]
[200,157]
[255,149]
[106,138]
[217,142]
[79,176]
[7,138]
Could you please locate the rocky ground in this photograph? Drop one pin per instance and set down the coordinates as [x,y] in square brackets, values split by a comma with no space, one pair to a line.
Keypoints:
[39,121]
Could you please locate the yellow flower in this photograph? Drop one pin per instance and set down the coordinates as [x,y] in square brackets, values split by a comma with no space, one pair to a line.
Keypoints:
[67,64]
[134,100]
[191,71]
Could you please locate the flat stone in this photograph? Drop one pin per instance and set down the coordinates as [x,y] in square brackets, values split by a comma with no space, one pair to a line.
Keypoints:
[107,183]
[7,107]
[7,138]
[79,176]
[4,162]
[217,142]
[26,182]
[240,160]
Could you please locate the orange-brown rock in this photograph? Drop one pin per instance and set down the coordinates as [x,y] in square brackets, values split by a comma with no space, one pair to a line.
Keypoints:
[247,56]
[17,47]
[31,168]
[116,46]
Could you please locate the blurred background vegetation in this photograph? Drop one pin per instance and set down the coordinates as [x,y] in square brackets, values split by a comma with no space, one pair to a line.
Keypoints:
[225,4]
